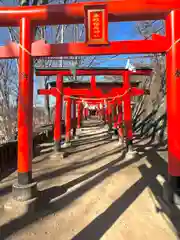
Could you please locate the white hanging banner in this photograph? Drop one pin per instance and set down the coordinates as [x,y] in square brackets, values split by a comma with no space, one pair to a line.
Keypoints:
[130,66]
[86,105]
[92,107]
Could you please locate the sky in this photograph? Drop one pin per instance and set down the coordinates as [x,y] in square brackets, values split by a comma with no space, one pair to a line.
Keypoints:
[117,31]
[121,31]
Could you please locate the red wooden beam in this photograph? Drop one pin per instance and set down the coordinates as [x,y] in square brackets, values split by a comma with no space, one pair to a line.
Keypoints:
[66,91]
[105,86]
[94,101]
[97,93]
[123,10]
[138,91]
[51,91]
[71,92]
[42,49]
[90,72]
[76,92]
[83,92]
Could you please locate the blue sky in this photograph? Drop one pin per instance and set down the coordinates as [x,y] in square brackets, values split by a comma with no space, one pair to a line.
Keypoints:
[121,31]
[117,31]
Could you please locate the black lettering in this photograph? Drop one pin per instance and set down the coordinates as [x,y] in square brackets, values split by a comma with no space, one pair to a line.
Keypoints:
[24,75]
[178,73]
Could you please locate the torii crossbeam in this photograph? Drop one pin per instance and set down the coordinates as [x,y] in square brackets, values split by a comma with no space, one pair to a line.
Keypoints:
[91,71]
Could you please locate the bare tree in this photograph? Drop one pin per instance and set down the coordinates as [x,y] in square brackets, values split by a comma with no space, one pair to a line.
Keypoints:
[155,103]
[34,2]
[55,34]
[8,99]
[61,34]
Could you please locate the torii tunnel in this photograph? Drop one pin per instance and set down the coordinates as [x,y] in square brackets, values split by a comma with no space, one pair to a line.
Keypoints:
[27,18]
[83,94]
[104,90]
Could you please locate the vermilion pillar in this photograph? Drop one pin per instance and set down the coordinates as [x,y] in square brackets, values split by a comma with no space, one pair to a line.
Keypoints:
[109,115]
[82,111]
[128,112]
[114,119]
[120,124]
[79,115]
[85,113]
[25,104]
[98,111]
[68,120]
[173,101]
[74,118]
[58,113]
[103,112]
[115,115]
[106,112]
[93,83]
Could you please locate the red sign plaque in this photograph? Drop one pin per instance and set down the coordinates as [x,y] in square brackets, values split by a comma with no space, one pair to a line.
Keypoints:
[96,24]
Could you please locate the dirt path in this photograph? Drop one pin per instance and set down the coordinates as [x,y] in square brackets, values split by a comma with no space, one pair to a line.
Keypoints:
[95,193]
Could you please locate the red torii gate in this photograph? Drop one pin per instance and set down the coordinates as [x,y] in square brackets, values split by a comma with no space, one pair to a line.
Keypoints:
[98,93]
[105,86]
[128,10]
[119,117]
[81,93]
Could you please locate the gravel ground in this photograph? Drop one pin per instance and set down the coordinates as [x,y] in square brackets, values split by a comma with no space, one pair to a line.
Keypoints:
[94,193]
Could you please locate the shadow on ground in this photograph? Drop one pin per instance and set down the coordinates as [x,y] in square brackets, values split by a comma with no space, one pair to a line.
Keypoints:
[89,140]
[77,150]
[151,126]
[47,148]
[76,165]
[100,225]
[93,134]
